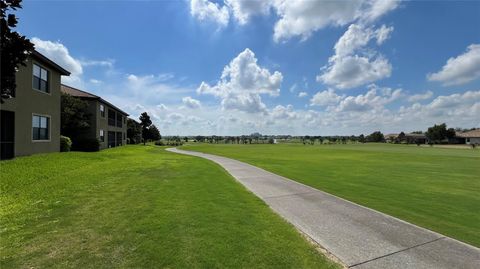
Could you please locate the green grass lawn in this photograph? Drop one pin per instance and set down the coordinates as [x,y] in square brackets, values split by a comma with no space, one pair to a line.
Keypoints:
[139,207]
[432,187]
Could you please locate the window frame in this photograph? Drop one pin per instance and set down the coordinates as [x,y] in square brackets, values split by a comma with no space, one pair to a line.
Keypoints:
[119,123]
[114,119]
[49,128]
[102,135]
[40,78]
[102,113]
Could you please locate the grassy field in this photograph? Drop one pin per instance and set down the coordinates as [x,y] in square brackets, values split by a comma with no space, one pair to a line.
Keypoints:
[432,187]
[139,207]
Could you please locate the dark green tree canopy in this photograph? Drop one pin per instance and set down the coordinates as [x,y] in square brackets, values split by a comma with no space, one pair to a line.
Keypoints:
[437,133]
[134,131]
[145,121]
[376,137]
[75,116]
[153,133]
[15,48]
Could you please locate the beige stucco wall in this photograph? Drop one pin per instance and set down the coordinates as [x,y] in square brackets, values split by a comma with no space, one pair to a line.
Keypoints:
[101,123]
[473,140]
[28,102]
[97,123]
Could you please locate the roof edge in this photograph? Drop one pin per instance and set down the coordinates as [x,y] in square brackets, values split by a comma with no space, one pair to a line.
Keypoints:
[44,58]
[96,97]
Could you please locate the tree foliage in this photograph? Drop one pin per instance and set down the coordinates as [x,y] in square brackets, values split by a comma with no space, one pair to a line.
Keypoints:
[75,116]
[437,133]
[134,131]
[153,133]
[145,121]
[361,138]
[376,137]
[14,50]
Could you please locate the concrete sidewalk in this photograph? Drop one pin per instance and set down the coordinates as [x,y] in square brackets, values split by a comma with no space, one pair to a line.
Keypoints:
[360,237]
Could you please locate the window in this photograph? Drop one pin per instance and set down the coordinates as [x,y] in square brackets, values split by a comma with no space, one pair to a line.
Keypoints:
[40,79]
[102,136]
[111,117]
[102,111]
[40,128]
[119,139]
[111,139]
[119,120]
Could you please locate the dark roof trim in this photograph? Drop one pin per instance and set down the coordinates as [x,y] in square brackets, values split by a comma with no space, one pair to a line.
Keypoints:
[95,97]
[51,63]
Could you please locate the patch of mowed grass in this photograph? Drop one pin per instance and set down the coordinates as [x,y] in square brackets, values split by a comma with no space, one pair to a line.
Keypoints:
[142,207]
[432,187]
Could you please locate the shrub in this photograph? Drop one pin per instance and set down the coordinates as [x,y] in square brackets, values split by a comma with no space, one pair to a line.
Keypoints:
[65,143]
[86,144]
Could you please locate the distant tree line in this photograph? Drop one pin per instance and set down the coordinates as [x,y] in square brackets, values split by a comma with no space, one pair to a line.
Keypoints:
[435,134]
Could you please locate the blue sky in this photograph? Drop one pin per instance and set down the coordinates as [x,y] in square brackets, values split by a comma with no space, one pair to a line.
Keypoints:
[289,67]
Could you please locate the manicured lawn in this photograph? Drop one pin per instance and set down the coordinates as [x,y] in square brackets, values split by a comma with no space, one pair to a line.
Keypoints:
[432,187]
[139,207]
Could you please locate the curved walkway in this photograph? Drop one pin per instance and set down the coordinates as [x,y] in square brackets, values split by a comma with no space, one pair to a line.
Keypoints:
[360,237]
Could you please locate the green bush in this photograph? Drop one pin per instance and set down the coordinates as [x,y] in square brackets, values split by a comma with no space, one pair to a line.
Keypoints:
[86,144]
[65,143]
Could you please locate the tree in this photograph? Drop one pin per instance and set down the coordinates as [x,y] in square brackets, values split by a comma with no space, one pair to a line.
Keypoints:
[134,131]
[437,133]
[376,137]
[145,121]
[74,115]
[361,138]
[401,137]
[154,133]
[15,48]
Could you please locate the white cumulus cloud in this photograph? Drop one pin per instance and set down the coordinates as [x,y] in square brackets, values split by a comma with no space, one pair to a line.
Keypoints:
[243,10]
[420,96]
[242,82]
[191,103]
[302,94]
[374,100]
[461,69]
[295,18]
[302,18]
[352,65]
[325,98]
[58,53]
[204,10]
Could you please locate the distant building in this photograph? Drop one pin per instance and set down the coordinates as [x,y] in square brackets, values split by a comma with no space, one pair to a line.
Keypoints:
[408,138]
[30,120]
[471,137]
[108,123]
[390,138]
[416,138]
